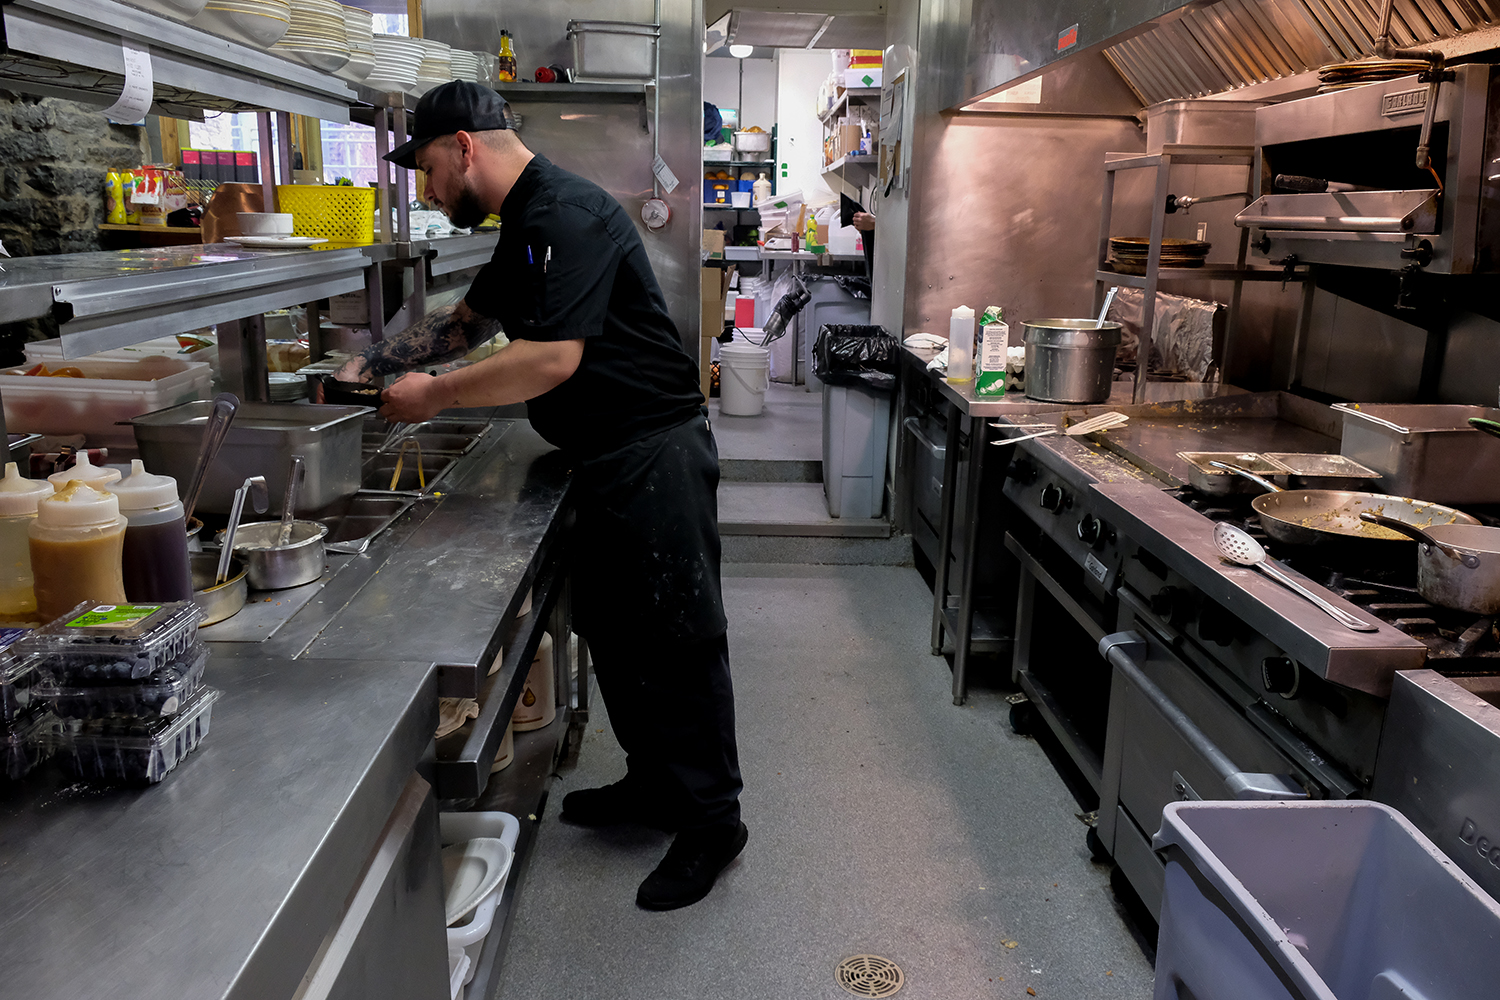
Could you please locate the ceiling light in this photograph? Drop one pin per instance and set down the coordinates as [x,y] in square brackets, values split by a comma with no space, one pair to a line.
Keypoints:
[741,51]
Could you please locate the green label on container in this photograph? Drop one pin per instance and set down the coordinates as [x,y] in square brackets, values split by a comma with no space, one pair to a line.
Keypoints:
[115,616]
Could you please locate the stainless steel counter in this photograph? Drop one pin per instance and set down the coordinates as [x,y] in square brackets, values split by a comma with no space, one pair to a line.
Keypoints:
[222,881]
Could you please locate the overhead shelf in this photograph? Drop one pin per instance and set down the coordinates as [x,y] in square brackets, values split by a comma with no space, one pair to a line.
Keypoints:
[72,49]
[867,162]
[458,253]
[1211,272]
[843,101]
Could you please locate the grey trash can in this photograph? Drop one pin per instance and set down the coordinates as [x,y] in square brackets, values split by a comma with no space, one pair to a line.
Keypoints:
[856,435]
[1317,901]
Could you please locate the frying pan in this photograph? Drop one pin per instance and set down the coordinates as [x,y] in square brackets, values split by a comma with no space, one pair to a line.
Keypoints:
[1322,517]
[1458,565]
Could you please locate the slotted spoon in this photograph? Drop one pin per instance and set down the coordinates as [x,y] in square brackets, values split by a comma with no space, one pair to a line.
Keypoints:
[1236,545]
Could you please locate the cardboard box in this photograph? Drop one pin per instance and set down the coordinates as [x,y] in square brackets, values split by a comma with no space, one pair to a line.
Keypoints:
[848,137]
[713,247]
[246,169]
[862,77]
[714,287]
[190,164]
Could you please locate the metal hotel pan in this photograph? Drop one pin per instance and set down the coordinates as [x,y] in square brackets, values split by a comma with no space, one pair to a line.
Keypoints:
[1322,517]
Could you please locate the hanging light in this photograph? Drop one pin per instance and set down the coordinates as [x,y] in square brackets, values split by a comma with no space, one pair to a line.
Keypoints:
[741,51]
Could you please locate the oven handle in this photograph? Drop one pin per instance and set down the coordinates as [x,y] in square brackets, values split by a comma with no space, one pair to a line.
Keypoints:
[1122,650]
[914,427]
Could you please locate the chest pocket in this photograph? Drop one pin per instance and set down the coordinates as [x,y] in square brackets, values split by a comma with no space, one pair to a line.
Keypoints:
[523,292]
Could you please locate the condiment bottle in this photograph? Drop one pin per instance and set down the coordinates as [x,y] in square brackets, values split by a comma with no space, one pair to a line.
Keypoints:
[507,58]
[961,345]
[76,543]
[155,559]
[761,189]
[84,471]
[18,499]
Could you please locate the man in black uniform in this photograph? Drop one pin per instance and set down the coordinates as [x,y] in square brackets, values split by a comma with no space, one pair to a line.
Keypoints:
[597,356]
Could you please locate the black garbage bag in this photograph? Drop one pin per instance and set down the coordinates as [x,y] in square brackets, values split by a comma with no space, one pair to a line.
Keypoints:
[845,354]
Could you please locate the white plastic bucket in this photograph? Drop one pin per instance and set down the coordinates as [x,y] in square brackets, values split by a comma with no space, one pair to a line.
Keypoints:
[744,377]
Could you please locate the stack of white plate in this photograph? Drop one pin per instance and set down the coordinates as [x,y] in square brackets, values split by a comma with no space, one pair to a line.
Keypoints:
[436,65]
[317,36]
[396,61]
[255,22]
[464,65]
[359,28]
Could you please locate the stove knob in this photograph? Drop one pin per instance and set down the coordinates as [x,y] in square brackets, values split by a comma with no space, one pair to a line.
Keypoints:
[1091,531]
[1171,605]
[1055,499]
[1281,675]
[1022,472]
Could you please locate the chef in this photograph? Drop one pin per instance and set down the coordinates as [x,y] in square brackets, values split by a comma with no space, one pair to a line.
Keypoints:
[597,358]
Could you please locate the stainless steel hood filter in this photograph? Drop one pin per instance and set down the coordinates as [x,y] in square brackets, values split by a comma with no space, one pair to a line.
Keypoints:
[1236,43]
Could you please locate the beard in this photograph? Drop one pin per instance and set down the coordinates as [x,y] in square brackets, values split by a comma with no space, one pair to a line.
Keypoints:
[467,212]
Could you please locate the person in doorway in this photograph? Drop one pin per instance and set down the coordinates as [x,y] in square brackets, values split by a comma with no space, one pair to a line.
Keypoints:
[598,359]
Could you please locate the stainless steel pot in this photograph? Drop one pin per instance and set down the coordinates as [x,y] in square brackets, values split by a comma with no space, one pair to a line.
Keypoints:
[218,601]
[1458,565]
[1070,360]
[276,567]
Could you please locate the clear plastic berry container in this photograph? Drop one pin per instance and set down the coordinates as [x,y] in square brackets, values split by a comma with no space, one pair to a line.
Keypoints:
[105,643]
[15,678]
[26,743]
[161,695]
[128,752]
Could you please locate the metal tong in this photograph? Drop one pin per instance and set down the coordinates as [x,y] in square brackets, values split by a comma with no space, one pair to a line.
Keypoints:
[1093,425]
[215,430]
[254,487]
[401,463]
[294,476]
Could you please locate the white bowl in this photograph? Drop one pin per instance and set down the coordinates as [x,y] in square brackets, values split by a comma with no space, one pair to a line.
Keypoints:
[265,223]
[243,25]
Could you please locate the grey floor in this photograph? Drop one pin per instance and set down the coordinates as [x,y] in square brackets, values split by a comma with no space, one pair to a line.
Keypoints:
[883,820]
[790,428]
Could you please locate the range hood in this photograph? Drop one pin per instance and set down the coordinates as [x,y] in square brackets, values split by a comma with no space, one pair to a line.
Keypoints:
[1237,43]
[780,29]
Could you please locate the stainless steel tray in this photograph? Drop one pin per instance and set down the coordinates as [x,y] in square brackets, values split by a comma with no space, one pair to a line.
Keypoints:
[1427,451]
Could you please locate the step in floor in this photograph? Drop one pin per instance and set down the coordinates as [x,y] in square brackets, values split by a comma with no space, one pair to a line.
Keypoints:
[789,429]
[796,509]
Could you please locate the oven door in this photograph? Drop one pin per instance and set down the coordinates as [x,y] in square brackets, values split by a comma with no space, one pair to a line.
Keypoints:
[1172,736]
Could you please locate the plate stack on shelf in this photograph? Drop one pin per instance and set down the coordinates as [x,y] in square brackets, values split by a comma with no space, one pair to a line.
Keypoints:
[1347,75]
[436,66]
[464,65]
[317,36]
[396,60]
[359,28]
[1129,253]
[255,22]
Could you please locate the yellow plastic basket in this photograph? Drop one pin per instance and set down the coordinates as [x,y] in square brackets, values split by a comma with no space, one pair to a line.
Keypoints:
[339,214]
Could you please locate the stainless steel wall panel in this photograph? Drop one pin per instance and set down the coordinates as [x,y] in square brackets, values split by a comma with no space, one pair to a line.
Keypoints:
[611,143]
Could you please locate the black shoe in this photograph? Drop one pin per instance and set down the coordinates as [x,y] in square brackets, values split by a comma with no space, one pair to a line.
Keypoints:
[617,804]
[691,866]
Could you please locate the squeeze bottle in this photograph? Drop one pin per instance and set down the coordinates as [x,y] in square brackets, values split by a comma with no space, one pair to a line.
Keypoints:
[75,542]
[154,562]
[961,345]
[18,499]
[84,471]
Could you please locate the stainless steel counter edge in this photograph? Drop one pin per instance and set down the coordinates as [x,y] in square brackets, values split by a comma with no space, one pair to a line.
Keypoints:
[1183,539]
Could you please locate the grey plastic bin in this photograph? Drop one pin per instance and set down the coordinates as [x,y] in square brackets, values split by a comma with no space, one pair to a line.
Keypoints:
[1317,901]
[856,436]
[831,304]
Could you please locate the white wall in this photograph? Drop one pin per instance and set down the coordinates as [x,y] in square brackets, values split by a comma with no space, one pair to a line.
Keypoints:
[800,139]
[746,84]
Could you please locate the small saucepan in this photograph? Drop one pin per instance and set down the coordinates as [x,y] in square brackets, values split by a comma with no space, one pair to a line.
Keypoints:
[275,566]
[1458,565]
[218,600]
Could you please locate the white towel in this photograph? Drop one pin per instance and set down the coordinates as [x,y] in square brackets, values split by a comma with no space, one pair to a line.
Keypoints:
[925,340]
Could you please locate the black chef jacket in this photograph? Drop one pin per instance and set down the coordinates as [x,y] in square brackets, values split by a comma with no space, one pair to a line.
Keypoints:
[570,265]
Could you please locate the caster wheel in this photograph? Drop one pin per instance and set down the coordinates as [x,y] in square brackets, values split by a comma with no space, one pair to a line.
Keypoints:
[1022,718]
[1096,846]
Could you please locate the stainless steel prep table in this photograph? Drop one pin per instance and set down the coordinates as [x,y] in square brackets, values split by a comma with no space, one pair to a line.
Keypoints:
[968,413]
[223,880]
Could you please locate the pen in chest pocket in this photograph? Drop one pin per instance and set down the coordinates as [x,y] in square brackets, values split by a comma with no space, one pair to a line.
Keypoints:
[529,258]
[546,260]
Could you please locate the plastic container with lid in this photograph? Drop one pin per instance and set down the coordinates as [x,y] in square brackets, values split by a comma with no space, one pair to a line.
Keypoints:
[159,696]
[124,642]
[126,752]
[27,743]
[83,471]
[15,678]
[18,499]
[154,562]
[76,542]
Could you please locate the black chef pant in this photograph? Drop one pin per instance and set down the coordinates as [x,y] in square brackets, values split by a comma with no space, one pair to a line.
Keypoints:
[647,598]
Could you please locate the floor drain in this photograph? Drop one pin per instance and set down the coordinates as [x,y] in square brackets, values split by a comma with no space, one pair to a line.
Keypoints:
[869,976]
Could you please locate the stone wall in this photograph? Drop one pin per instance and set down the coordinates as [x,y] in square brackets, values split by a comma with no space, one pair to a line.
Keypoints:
[53,158]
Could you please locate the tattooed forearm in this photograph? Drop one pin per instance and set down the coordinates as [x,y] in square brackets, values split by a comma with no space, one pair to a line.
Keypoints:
[443,335]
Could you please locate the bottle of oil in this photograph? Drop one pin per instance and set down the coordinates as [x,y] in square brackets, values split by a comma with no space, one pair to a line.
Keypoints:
[114,193]
[507,73]
[76,542]
[18,499]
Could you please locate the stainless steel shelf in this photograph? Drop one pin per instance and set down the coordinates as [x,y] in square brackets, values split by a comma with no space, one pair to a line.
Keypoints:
[71,48]
[1224,272]
[863,93]
[107,300]
[523,92]
[868,162]
[458,253]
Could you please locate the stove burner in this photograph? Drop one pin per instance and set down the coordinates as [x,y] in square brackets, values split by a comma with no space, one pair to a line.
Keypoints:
[1386,592]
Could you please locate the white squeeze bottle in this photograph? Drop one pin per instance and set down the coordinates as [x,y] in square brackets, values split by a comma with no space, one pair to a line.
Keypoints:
[961,345]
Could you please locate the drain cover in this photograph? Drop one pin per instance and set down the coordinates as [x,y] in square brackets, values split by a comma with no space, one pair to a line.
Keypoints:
[869,976]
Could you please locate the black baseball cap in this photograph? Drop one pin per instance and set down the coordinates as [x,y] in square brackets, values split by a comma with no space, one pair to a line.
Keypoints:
[455,106]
